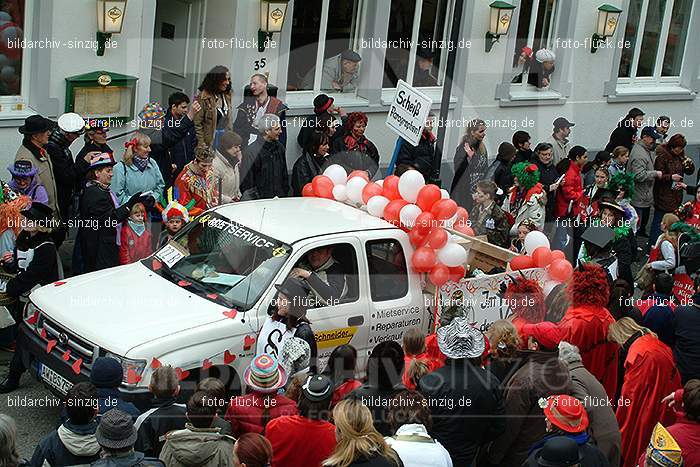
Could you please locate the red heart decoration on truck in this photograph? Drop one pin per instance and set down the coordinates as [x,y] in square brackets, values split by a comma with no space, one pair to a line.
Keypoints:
[76,366]
[181,374]
[132,377]
[155,363]
[43,333]
[228,357]
[66,355]
[248,342]
[34,318]
[156,265]
[184,283]
[57,283]
[230,313]
[213,296]
[206,364]
[50,345]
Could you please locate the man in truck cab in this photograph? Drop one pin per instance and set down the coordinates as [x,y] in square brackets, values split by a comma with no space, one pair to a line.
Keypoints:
[324,275]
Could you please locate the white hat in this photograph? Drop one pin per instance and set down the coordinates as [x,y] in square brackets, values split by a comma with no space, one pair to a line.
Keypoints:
[545,55]
[71,122]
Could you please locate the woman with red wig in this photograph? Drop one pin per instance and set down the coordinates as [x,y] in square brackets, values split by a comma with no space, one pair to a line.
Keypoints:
[526,299]
[586,323]
[352,149]
[252,450]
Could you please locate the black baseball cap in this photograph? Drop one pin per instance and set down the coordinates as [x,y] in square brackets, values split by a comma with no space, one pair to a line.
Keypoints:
[650,131]
[561,122]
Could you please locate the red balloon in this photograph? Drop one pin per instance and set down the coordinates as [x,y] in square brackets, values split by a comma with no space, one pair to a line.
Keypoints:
[439,274]
[427,196]
[457,273]
[542,256]
[371,189]
[322,186]
[423,259]
[416,237]
[560,270]
[392,210]
[462,214]
[558,254]
[359,173]
[391,187]
[437,238]
[464,228]
[424,222]
[308,191]
[521,262]
[444,209]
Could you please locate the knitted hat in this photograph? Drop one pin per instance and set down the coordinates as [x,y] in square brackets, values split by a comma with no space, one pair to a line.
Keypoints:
[545,55]
[527,173]
[546,333]
[663,449]
[116,430]
[106,373]
[151,111]
[566,413]
[264,374]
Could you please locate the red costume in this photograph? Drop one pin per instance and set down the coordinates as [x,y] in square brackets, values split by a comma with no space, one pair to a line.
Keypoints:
[650,375]
[526,299]
[586,323]
[134,247]
[300,442]
[343,390]
[245,413]
[434,352]
[569,193]
[201,189]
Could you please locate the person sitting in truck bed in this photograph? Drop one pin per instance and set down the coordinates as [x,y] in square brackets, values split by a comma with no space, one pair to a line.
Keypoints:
[323,274]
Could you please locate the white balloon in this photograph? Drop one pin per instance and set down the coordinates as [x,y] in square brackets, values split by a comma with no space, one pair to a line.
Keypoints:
[452,255]
[408,215]
[548,286]
[376,205]
[534,240]
[336,173]
[410,184]
[444,194]
[340,193]
[354,189]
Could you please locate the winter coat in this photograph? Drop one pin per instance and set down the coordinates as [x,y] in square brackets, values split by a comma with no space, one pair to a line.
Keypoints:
[40,159]
[419,157]
[462,428]
[35,262]
[164,416]
[500,173]
[601,416]
[192,186]
[665,197]
[537,73]
[686,326]
[205,121]
[523,155]
[305,169]
[183,151]
[468,173]
[548,175]
[264,170]
[129,180]
[416,448]
[542,375]
[659,319]
[245,413]
[624,135]
[99,242]
[201,447]
[624,249]
[560,150]
[132,459]
[134,247]
[299,441]
[163,140]
[355,154]
[227,178]
[530,205]
[377,401]
[70,444]
[108,399]
[491,222]
[569,193]
[35,190]
[66,172]
[641,165]
[246,114]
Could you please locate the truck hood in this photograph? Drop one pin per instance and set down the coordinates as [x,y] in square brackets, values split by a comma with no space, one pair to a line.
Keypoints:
[123,307]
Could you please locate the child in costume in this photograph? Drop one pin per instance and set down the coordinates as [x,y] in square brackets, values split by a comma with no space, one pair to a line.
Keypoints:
[135,237]
[25,181]
[526,199]
[10,218]
[175,215]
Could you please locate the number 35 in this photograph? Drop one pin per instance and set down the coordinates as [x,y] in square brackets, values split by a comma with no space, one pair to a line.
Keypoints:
[260,63]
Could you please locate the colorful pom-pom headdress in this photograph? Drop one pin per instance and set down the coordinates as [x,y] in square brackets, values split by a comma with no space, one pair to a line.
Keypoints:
[622,182]
[527,173]
[11,203]
[171,208]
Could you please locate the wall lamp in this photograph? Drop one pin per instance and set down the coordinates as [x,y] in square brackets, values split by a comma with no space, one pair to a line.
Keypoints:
[501,14]
[608,17]
[272,13]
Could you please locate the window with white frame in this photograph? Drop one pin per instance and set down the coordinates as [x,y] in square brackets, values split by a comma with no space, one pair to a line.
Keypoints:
[12,55]
[537,21]
[321,31]
[656,31]
[417,42]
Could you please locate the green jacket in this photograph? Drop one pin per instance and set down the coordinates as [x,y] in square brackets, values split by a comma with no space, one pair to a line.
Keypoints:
[201,447]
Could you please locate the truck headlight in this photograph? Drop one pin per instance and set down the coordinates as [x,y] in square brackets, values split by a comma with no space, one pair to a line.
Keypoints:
[31,314]
[133,369]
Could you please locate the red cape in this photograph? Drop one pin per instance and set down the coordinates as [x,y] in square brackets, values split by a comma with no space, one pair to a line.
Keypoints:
[433,351]
[650,375]
[587,328]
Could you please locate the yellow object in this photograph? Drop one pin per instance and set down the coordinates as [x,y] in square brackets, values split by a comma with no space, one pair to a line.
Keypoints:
[663,449]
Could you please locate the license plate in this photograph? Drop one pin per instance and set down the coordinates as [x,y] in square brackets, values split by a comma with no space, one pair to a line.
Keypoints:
[53,379]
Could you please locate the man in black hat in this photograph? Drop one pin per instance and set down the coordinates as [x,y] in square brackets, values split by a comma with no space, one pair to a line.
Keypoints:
[36,131]
[324,112]
[340,73]
[116,436]
[559,451]
[422,73]
[559,139]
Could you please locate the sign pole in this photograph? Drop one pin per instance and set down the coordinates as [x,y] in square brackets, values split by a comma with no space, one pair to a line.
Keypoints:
[446,91]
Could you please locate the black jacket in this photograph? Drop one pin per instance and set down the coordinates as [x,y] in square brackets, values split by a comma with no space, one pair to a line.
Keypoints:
[537,73]
[41,270]
[98,231]
[686,350]
[304,170]
[352,159]
[264,170]
[153,424]
[69,445]
[548,175]
[623,135]
[374,461]
[624,249]
[164,140]
[66,171]
[522,155]
[462,428]
[467,174]
[181,152]
[499,172]
[419,157]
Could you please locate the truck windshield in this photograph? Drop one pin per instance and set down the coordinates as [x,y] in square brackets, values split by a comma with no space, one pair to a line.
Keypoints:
[220,256]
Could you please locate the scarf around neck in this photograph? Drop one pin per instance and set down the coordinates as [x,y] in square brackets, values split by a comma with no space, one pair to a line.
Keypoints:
[141,163]
[138,227]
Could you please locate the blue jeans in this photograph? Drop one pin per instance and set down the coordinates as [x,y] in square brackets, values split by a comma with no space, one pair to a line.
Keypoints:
[655,227]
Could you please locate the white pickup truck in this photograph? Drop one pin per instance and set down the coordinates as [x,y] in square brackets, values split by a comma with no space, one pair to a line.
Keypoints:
[199,302]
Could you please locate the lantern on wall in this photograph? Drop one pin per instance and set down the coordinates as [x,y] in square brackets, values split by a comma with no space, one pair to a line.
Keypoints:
[608,17]
[272,14]
[499,22]
[110,19]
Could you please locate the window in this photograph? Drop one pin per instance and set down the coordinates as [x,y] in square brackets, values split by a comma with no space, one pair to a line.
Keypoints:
[321,31]
[341,276]
[416,37]
[11,53]
[388,277]
[536,30]
[656,31]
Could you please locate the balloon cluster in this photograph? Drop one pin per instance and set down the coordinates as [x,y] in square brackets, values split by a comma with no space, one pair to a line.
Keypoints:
[539,255]
[423,210]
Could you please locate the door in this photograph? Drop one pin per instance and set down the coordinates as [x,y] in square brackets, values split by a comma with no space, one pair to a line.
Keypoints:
[175,48]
